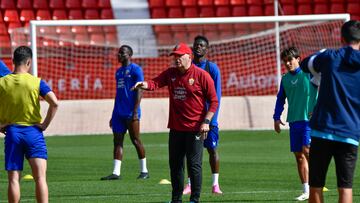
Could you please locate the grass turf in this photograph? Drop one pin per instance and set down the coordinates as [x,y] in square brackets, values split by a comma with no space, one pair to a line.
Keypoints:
[256,166]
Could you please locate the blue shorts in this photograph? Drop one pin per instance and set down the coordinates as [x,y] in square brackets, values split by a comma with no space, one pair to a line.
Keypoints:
[299,135]
[212,139]
[23,141]
[119,123]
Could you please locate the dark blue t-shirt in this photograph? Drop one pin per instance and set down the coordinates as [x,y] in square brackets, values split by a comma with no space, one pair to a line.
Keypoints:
[126,77]
[338,109]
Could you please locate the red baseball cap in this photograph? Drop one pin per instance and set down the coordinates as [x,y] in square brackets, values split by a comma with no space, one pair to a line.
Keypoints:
[181,49]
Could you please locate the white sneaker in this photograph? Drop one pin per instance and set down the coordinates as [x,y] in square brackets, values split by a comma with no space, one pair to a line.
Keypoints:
[303,197]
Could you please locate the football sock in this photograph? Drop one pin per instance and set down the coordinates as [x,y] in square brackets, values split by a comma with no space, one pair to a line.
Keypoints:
[143,167]
[215,179]
[117,167]
[306,187]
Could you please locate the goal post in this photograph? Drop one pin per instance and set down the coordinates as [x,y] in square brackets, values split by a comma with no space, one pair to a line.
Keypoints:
[181,21]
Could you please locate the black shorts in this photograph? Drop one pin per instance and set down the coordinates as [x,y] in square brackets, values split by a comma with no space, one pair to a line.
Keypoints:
[321,152]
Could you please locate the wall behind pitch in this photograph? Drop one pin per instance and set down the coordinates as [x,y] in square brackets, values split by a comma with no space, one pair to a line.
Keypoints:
[80,117]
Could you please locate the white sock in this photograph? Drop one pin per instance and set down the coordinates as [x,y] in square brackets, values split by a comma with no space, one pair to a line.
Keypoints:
[189,182]
[143,167]
[215,179]
[117,167]
[306,188]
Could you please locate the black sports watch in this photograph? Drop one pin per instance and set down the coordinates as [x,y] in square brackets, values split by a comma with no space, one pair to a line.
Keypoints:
[206,121]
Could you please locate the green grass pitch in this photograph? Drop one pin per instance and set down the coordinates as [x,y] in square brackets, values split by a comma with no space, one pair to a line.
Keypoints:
[256,166]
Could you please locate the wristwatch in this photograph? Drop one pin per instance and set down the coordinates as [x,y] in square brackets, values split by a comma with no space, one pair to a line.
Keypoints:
[206,121]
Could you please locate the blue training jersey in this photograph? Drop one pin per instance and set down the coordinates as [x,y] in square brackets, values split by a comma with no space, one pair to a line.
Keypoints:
[214,72]
[338,109]
[126,77]
[4,70]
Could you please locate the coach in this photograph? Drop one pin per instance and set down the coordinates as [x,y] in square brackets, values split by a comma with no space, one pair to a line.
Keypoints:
[189,89]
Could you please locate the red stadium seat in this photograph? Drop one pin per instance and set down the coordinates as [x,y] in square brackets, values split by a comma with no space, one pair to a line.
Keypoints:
[337,8]
[321,9]
[269,10]
[205,2]
[27,15]
[89,4]
[337,1]
[43,15]
[1,18]
[226,34]
[255,2]
[238,2]
[255,11]
[189,3]
[82,39]
[97,39]
[3,29]
[7,4]
[165,38]
[207,12]
[19,39]
[59,15]
[158,13]
[221,2]
[304,9]
[111,38]
[91,14]
[288,9]
[95,29]
[73,4]
[65,39]
[239,11]
[63,29]
[11,16]
[5,41]
[175,13]
[180,37]
[212,35]
[353,9]
[56,4]
[40,4]
[79,29]
[109,29]
[191,12]
[173,3]
[106,14]
[75,14]
[24,4]
[156,3]
[320,1]
[104,4]
[12,26]
[223,11]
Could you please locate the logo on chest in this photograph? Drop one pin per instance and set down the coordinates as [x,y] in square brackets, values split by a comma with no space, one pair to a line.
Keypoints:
[294,82]
[191,81]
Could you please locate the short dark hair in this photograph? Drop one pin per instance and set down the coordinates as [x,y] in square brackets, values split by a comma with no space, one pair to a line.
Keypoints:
[200,37]
[128,47]
[21,55]
[350,31]
[291,52]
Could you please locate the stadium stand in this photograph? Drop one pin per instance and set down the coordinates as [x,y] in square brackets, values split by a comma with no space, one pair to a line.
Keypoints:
[17,13]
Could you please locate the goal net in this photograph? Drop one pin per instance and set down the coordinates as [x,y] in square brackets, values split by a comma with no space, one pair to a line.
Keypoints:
[79,62]
[78,59]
